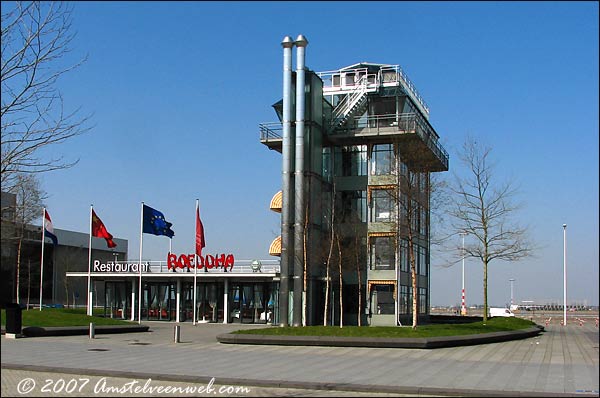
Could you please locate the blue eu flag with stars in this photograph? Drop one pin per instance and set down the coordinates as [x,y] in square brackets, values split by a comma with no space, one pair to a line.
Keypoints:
[154,223]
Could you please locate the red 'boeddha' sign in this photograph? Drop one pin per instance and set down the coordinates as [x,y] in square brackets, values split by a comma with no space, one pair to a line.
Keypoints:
[189,261]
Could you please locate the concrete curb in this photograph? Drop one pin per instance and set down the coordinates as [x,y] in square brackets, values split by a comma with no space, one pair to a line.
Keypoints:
[416,390]
[35,331]
[374,342]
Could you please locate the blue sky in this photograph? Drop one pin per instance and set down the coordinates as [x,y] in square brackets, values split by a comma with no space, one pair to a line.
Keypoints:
[177,90]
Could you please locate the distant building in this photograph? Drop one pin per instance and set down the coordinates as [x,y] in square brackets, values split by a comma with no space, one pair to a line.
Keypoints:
[357,149]
[70,255]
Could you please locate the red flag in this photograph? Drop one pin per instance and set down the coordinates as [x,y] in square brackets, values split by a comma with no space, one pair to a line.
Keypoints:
[199,233]
[99,230]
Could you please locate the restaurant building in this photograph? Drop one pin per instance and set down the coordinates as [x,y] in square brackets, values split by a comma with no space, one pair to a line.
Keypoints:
[227,290]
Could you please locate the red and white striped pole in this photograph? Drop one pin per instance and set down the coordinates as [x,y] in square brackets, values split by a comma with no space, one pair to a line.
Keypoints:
[463,307]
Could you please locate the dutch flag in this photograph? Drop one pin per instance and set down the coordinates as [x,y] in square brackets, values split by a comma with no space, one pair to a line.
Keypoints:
[49,229]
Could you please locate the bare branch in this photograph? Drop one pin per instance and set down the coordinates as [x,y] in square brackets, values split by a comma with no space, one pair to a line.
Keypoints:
[484,210]
[35,37]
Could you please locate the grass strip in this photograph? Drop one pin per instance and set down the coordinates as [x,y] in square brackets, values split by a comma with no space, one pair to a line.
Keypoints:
[430,330]
[51,317]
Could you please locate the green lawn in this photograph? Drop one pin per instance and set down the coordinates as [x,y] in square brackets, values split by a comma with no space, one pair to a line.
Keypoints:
[492,325]
[49,317]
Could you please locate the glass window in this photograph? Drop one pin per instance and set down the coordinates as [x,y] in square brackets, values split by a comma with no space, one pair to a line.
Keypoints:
[382,159]
[354,206]
[404,265]
[405,300]
[403,169]
[403,208]
[327,164]
[351,161]
[382,206]
[382,253]
[422,300]
[414,215]
[423,182]
[117,300]
[382,299]
[349,79]
[423,221]
[422,257]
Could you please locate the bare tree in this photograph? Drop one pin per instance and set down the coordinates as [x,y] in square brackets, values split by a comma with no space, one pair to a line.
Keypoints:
[328,261]
[341,279]
[35,37]
[484,209]
[357,263]
[410,214]
[30,197]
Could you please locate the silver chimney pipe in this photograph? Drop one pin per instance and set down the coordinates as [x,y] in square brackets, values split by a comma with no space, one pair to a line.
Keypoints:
[287,193]
[300,213]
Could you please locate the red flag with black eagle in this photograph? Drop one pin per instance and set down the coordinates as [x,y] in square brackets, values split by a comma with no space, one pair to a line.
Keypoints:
[99,230]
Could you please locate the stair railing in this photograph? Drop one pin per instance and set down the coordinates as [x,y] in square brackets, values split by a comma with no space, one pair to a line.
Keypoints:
[348,103]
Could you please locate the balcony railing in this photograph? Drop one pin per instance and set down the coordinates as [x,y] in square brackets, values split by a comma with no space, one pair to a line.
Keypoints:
[412,123]
[394,124]
[271,131]
[393,74]
[348,79]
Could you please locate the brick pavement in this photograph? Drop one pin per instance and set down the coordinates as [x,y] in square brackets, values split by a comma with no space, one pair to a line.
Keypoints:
[563,361]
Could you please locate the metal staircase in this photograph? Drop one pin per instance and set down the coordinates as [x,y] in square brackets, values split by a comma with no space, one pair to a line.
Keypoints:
[351,104]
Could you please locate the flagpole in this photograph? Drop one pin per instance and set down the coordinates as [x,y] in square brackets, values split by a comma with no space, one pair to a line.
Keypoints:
[89,281]
[170,251]
[195,270]
[42,260]
[140,264]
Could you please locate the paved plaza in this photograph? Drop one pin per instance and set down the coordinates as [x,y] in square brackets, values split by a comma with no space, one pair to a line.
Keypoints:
[563,361]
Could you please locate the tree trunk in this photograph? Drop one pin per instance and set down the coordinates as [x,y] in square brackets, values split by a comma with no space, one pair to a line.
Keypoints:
[341,283]
[326,295]
[485,291]
[327,287]
[359,282]
[413,276]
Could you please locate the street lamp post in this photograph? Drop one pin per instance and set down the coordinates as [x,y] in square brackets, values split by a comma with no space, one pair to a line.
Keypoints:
[512,297]
[565,274]
[463,307]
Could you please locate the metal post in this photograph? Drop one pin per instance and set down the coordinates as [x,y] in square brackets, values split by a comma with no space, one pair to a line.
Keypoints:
[287,188]
[92,331]
[463,306]
[226,302]
[178,301]
[565,274]
[512,297]
[133,299]
[300,212]
[177,334]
